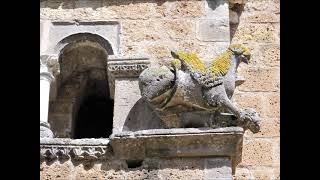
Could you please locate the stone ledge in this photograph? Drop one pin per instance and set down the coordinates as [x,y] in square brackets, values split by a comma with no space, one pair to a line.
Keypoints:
[153,143]
[74,142]
[178,131]
[164,143]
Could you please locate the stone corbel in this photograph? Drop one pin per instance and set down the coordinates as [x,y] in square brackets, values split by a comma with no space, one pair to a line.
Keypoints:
[125,67]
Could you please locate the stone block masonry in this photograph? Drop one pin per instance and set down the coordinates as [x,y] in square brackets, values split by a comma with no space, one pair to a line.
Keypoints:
[152,27]
[258,26]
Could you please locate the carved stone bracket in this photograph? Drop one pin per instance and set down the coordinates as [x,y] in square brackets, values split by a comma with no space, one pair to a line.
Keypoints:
[81,149]
[122,67]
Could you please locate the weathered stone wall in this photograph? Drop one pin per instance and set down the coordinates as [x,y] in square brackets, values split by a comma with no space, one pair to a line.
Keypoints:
[173,168]
[258,26]
[154,27]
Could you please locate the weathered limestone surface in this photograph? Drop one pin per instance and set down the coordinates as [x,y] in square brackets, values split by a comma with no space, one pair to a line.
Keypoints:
[54,33]
[259,27]
[158,169]
[213,30]
[152,154]
[161,23]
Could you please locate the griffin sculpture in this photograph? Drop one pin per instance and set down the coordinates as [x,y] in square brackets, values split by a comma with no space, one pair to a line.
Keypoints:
[190,94]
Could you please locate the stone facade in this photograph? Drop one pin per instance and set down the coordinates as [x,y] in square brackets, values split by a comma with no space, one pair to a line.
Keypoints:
[151,28]
[257,24]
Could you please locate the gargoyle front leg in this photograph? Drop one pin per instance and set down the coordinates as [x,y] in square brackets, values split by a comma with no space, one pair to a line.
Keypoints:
[216,97]
[226,103]
[248,118]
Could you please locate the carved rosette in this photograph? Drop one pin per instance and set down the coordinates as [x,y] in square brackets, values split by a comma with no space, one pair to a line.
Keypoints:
[125,68]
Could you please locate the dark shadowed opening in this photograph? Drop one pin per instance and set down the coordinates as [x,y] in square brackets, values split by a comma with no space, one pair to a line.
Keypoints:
[94,119]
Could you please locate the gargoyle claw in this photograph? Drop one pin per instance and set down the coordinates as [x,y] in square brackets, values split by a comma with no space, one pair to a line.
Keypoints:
[250,120]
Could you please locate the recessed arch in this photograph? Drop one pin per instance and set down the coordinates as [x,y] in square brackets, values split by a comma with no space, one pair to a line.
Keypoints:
[83,89]
[83,38]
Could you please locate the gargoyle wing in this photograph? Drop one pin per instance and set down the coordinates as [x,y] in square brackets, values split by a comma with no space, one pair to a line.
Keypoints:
[192,62]
[197,68]
[221,65]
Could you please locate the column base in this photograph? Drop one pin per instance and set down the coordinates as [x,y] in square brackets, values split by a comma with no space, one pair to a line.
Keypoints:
[45,131]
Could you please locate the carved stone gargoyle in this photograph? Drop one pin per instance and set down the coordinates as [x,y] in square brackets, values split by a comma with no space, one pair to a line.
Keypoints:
[190,94]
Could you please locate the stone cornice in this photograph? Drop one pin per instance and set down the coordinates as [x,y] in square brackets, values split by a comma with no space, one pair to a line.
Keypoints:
[127,67]
[152,143]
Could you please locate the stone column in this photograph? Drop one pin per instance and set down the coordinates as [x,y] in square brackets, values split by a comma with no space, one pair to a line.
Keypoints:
[45,80]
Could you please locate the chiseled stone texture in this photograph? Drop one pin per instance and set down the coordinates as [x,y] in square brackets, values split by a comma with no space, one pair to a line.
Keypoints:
[259,28]
[260,79]
[56,170]
[124,100]
[257,152]
[152,27]
[157,169]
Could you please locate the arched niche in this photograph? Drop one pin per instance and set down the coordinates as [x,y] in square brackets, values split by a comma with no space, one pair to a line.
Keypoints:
[80,38]
[83,107]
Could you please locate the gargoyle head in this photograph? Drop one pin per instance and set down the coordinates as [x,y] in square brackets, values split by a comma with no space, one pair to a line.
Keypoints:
[241,52]
[154,81]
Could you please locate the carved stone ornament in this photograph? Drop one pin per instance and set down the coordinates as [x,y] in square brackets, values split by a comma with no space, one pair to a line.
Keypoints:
[122,67]
[191,94]
[81,149]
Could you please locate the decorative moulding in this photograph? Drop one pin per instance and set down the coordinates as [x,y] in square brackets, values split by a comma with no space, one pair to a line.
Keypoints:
[78,149]
[60,33]
[124,67]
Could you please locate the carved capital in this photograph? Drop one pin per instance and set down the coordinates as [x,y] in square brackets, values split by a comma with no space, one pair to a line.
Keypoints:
[45,131]
[121,67]
[50,64]
[45,124]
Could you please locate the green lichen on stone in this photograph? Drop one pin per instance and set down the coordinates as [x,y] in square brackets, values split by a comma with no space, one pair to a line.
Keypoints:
[176,63]
[242,48]
[218,68]
[192,61]
[221,64]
